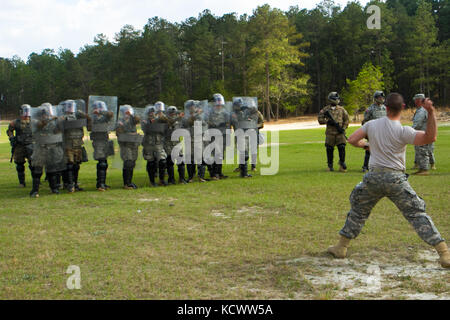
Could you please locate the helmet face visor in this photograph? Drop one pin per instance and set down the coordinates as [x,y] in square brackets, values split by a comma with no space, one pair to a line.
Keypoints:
[26,111]
[219,100]
[99,106]
[160,107]
[70,107]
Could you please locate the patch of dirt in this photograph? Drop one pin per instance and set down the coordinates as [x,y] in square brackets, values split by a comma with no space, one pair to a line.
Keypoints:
[155,199]
[378,279]
[219,214]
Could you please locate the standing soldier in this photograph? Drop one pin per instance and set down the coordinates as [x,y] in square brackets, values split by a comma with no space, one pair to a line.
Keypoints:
[424,155]
[387,178]
[375,111]
[219,119]
[73,124]
[129,141]
[155,126]
[260,126]
[336,119]
[174,119]
[21,142]
[100,123]
[193,113]
[48,150]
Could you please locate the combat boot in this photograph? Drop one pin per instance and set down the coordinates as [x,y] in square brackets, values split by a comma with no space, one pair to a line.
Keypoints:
[53,182]
[237,169]
[201,173]
[101,175]
[213,172]
[126,180]
[422,172]
[162,170]
[130,179]
[340,250]
[181,174]
[444,254]
[253,167]
[171,174]
[342,165]
[151,170]
[244,171]
[219,169]
[36,182]
[76,170]
[433,166]
[69,178]
[20,167]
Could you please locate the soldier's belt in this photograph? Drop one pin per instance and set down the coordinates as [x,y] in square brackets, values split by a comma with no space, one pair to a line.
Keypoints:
[50,139]
[380,169]
[101,127]
[245,124]
[156,128]
[127,137]
[75,124]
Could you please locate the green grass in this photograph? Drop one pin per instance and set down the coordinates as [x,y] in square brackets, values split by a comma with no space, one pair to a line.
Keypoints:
[175,248]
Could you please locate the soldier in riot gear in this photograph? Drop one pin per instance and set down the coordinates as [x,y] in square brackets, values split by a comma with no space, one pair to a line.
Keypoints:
[101,121]
[21,142]
[245,124]
[129,141]
[74,122]
[219,119]
[194,113]
[48,150]
[337,120]
[174,120]
[154,125]
[375,111]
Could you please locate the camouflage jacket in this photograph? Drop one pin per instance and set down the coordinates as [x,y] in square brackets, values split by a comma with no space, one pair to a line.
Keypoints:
[420,119]
[374,112]
[127,125]
[339,114]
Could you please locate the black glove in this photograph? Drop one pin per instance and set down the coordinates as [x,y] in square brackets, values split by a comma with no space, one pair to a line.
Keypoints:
[13,141]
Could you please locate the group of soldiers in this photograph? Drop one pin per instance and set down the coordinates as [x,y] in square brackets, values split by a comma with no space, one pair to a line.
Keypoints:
[50,138]
[336,119]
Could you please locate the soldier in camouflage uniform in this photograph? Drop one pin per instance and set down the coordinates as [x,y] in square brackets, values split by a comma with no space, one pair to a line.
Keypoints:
[246,119]
[219,119]
[174,120]
[103,147]
[424,155]
[48,150]
[21,142]
[155,126]
[387,178]
[129,142]
[333,135]
[375,111]
[74,122]
[260,126]
[194,113]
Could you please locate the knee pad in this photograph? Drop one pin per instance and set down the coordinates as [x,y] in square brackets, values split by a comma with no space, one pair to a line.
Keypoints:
[341,146]
[329,147]
[102,165]
[129,164]
[20,166]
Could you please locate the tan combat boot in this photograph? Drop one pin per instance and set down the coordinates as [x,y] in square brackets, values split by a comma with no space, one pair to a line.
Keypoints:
[433,167]
[422,172]
[444,254]
[340,250]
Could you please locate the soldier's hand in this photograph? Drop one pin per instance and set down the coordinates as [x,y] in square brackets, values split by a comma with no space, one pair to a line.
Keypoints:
[428,105]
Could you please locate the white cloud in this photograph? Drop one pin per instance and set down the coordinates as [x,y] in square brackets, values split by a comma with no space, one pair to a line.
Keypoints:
[30,26]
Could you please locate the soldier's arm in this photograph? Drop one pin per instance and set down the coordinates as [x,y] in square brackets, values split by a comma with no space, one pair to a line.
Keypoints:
[260,120]
[322,119]
[10,131]
[367,115]
[346,119]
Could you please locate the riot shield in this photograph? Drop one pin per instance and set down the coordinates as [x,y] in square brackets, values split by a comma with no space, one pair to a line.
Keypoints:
[247,117]
[150,123]
[126,127]
[100,121]
[73,114]
[248,101]
[46,124]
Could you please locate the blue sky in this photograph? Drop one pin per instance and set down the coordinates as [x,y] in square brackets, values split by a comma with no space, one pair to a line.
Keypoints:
[30,26]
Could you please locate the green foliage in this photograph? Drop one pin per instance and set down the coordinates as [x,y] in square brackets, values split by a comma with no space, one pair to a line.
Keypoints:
[359,92]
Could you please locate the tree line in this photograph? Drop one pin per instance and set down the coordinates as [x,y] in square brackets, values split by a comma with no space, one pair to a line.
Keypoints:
[289,60]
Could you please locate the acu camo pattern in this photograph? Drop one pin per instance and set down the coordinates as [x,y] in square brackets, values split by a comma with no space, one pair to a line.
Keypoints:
[128,150]
[373,112]
[154,142]
[24,139]
[424,155]
[73,138]
[100,140]
[395,186]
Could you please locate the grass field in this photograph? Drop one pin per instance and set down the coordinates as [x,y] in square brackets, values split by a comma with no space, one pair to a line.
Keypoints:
[262,238]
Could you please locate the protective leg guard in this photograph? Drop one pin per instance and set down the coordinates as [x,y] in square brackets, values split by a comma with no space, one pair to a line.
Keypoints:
[342,165]
[53,182]
[36,174]
[76,170]
[444,254]
[151,170]
[201,172]
[340,250]
[366,161]
[181,173]
[69,176]
[191,171]
[170,171]
[58,180]
[130,179]
[102,166]
[330,155]
[20,167]
[162,170]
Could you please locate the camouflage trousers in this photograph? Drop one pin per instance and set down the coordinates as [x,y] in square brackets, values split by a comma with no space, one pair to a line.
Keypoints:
[129,151]
[395,186]
[73,150]
[424,156]
[102,145]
